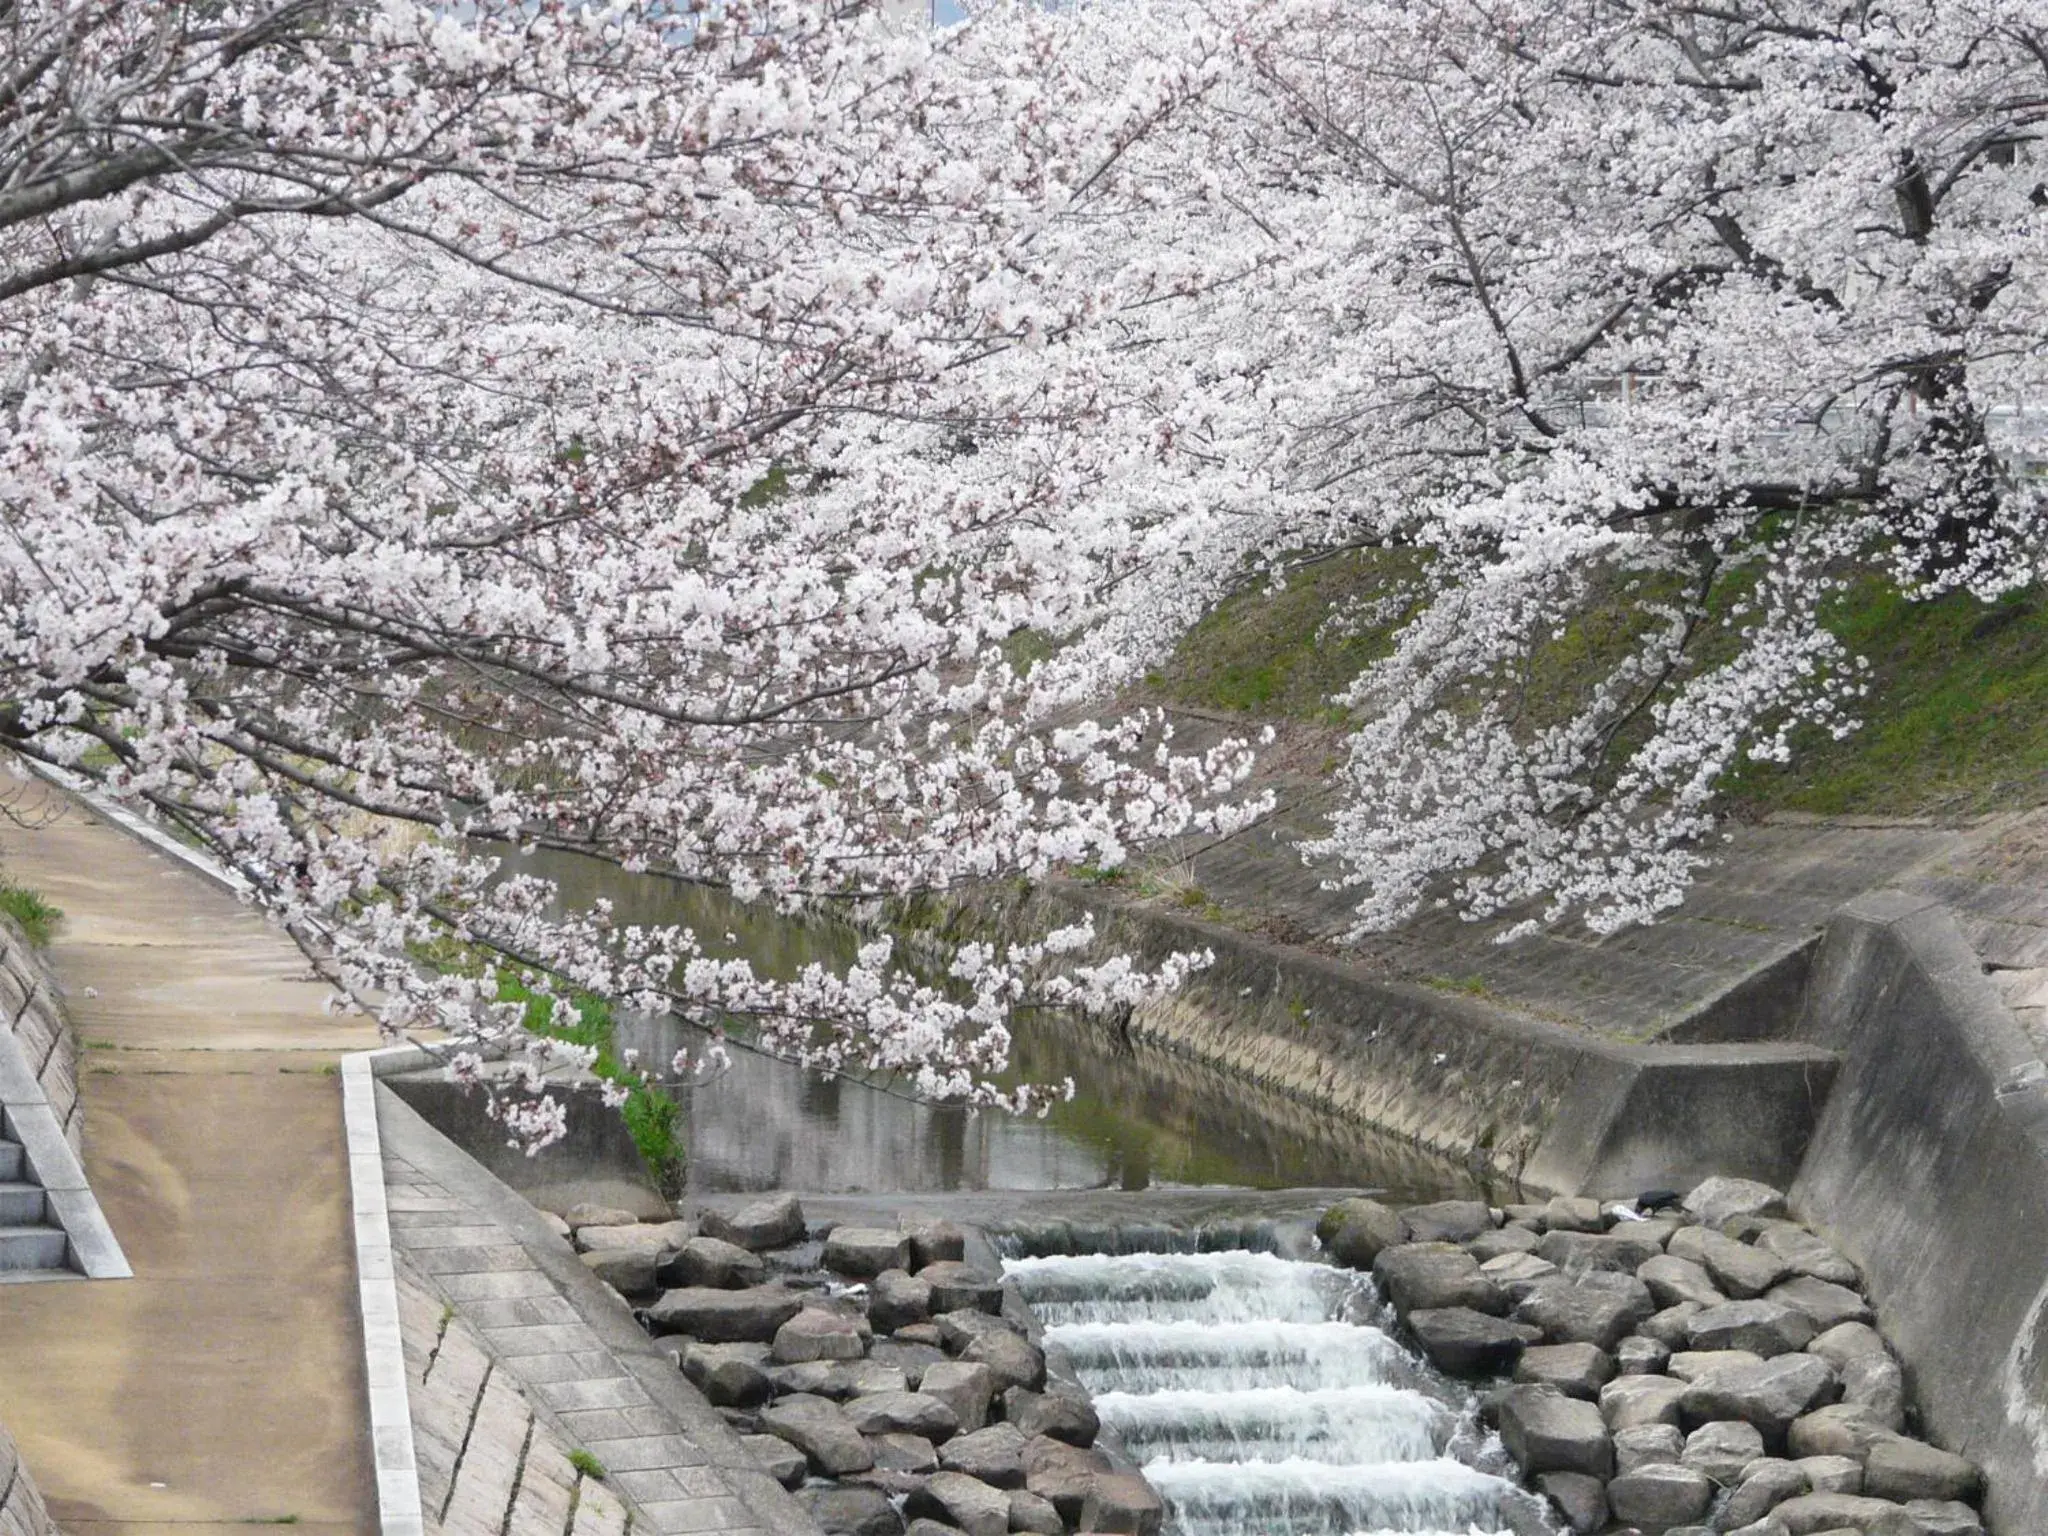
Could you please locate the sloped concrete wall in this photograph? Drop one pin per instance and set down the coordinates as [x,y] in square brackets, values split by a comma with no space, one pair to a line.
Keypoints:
[29,1007]
[21,1506]
[1930,1169]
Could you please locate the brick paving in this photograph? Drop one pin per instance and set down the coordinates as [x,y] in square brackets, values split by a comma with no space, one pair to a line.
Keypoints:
[507,1377]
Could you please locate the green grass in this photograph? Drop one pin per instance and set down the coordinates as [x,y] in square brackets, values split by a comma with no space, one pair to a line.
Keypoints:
[586,1463]
[1267,652]
[1956,722]
[38,919]
[652,1118]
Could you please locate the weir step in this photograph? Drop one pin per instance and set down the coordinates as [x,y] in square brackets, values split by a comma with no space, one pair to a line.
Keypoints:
[11,1161]
[22,1205]
[33,1247]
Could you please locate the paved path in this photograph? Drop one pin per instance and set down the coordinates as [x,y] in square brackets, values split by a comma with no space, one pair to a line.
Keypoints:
[224,1383]
[517,1356]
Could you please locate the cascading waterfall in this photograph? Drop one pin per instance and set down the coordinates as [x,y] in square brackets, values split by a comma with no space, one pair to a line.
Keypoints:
[1262,1400]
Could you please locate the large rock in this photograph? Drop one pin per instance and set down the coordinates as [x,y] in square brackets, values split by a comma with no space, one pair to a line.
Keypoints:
[1876,1382]
[933,1240]
[1738,1269]
[1577,1370]
[1353,1232]
[1465,1343]
[821,1430]
[837,1379]
[1645,1445]
[1840,1429]
[1601,1309]
[903,1413]
[1123,1503]
[960,1328]
[816,1334]
[1714,1200]
[1828,1305]
[1763,1327]
[898,1297]
[586,1215]
[1434,1276]
[1011,1360]
[995,1455]
[656,1237]
[1805,1253]
[962,1385]
[852,1511]
[724,1317]
[1030,1513]
[911,1359]
[1723,1449]
[1517,1273]
[778,1458]
[1929,1517]
[775,1222]
[1660,1497]
[1061,1411]
[731,1375]
[1770,1395]
[864,1252]
[1492,1245]
[1669,1327]
[1574,1213]
[1812,1513]
[1621,1250]
[712,1262]
[1640,1355]
[963,1501]
[1848,1341]
[897,1451]
[1545,1431]
[1628,1402]
[1062,1474]
[1902,1469]
[1580,1499]
[1831,1474]
[1672,1280]
[1447,1221]
[1765,1485]
[957,1287]
[629,1271]
[1692,1364]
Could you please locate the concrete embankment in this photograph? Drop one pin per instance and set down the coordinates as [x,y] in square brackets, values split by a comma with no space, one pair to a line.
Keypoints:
[1521,1101]
[1929,1168]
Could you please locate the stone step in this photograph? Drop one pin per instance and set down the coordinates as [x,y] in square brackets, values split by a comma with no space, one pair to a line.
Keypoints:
[31,1247]
[21,1205]
[11,1161]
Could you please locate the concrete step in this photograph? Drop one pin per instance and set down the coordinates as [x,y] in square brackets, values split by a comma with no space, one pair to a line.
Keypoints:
[21,1205]
[32,1247]
[11,1161]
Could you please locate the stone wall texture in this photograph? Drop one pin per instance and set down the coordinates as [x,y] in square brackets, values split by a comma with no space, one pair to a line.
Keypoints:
[21,1507]
[29,1006]
[1930,1170]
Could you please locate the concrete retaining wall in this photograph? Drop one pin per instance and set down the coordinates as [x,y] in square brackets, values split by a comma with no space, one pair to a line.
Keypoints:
[21,1506]
[1519,1102]
[1930,1169]
[29,1007]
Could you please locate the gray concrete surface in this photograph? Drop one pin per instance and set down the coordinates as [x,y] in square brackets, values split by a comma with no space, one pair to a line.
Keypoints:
[551,1348]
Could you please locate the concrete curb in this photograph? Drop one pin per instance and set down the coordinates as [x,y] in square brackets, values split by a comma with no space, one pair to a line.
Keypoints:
[398,1477]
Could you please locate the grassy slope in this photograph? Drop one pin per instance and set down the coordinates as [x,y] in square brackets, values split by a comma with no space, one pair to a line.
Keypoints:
[1956,723]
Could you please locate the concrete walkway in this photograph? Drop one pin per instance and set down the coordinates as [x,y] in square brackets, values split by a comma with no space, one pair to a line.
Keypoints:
[223,1385]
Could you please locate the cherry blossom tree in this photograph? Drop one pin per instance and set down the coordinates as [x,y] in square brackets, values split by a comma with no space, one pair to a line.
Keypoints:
[1641,328]
[437,430]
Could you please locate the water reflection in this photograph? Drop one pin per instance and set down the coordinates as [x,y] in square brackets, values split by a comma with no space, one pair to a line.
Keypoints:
[1141,1117]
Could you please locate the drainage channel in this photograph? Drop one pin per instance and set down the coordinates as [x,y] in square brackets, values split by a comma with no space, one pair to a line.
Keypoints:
[1263,1397]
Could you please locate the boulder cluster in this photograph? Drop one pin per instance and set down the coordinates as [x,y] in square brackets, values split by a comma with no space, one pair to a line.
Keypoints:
[1700,1366]
[891,1384]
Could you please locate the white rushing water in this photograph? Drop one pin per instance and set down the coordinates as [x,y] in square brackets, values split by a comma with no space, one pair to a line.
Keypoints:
[1261,1401]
